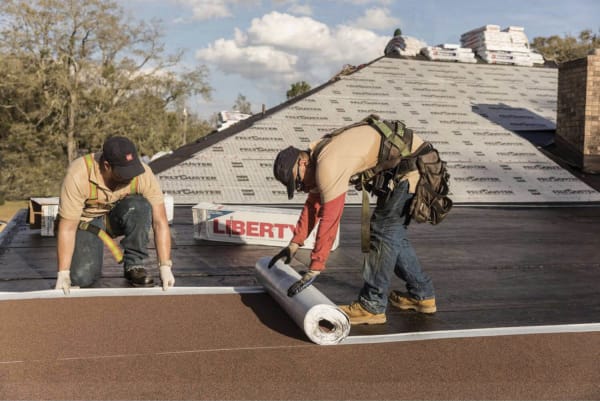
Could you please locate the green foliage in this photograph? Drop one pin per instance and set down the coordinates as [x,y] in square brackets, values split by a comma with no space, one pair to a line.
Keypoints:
[297,89]
[568,48]
[73,73]
[242,105]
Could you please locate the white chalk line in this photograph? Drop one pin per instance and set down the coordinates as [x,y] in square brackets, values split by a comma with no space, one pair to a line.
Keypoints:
[162,353]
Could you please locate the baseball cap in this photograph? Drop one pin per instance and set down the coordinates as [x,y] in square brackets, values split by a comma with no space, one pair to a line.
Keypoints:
[283,168]
[122,156]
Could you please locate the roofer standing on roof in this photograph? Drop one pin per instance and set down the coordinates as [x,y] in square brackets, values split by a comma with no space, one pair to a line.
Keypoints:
[105,195]
[325,176]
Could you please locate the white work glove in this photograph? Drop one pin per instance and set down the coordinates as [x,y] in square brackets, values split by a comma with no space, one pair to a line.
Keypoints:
[166,276]
[63,281]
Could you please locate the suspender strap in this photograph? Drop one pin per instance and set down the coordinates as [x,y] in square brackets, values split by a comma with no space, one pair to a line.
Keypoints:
[89,164]
[103,235]
[93,195]
[392,134]
[365,230]
[133,186]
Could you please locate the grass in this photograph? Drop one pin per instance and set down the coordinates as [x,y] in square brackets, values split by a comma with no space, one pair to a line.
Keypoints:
[9,209]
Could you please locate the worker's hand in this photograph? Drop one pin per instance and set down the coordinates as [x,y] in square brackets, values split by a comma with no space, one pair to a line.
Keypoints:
[63,281]
[307,279]
[288,253]
[166,277]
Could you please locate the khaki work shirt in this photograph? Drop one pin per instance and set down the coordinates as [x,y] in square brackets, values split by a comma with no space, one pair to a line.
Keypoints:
[75,190]
[349,153]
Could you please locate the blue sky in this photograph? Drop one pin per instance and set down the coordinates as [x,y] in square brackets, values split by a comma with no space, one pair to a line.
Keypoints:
[258,48]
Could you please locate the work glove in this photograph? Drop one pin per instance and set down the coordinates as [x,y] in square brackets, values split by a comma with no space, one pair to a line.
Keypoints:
[288,252]
[307,279]
[63,281]
[166,276]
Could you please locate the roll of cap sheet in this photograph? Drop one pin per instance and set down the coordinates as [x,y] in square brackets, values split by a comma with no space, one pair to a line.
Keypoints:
[322,321]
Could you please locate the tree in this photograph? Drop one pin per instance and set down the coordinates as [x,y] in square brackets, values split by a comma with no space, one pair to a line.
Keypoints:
[74,72]
[560,50]
[242,105]
[297,89]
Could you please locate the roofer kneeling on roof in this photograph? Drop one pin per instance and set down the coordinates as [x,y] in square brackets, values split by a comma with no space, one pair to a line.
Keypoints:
[324,172]
[103,196]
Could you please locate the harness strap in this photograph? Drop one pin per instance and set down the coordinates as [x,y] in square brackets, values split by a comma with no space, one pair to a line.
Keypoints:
[89,164]
[393,135]
[365,229]
[92,200]
[107,239]
[93,194]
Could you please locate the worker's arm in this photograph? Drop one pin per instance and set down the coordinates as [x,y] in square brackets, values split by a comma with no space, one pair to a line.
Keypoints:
[162,240]
[331,215]
[306,222]
[309,217]
[67,232]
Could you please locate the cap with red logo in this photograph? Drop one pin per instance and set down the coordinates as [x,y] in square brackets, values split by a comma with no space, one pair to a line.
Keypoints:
[122,156]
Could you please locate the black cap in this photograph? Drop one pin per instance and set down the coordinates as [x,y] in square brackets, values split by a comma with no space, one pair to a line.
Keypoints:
[122,156]
[283,168]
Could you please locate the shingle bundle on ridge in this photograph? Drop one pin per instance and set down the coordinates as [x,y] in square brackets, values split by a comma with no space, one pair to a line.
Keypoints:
[496,46]
[449,52]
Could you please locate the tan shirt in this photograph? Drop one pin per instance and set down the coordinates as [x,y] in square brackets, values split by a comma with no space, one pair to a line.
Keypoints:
[75,190]
[349,153]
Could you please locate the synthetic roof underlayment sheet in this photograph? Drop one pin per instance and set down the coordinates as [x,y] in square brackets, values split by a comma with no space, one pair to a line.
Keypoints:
[320,319]
[470,112]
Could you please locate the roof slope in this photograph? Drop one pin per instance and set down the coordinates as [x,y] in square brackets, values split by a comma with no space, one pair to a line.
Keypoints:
[470,112]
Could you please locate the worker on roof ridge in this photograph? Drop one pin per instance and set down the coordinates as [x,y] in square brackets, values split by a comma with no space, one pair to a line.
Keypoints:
[324,171]
[105,195]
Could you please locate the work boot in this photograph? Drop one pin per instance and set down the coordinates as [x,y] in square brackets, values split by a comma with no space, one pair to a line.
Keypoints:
[404,302]
[137,277]
[359,315]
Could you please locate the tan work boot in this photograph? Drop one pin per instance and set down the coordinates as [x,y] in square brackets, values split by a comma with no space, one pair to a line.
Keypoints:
[404,302]
[359,315]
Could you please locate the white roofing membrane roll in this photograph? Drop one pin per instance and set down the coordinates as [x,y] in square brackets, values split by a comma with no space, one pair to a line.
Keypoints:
[322,321]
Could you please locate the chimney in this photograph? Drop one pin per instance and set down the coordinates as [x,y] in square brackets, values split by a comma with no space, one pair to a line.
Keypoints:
[578,112]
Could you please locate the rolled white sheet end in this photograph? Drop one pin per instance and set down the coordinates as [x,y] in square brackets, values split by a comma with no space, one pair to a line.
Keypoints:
[320,319]
[326,325]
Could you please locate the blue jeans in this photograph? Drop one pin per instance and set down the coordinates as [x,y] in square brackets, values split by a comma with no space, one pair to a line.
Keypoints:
[131,217]
[391,251]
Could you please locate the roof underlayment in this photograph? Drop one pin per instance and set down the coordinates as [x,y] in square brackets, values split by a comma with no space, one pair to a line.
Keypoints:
[472,113]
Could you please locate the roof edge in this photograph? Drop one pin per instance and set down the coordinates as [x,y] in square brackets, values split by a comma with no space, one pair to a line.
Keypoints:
[186,151]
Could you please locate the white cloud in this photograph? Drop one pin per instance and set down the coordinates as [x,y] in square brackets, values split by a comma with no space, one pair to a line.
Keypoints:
[378,19]
[254,62]
[280,49]
[213,9]
[289,32]
[301,9]
[364,2]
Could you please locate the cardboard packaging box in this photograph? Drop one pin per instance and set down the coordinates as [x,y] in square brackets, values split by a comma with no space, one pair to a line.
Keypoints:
[249,225]
[42,212]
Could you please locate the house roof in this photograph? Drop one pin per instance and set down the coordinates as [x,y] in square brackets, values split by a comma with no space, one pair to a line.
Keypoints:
[487,121]
[498,271]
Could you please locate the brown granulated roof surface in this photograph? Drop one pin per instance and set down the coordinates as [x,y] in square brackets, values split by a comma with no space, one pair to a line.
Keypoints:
[493,268]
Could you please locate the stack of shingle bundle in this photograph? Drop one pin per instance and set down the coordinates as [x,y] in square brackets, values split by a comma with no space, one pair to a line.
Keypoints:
[507,46]
[536,58]
[449,52]
[404,46]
